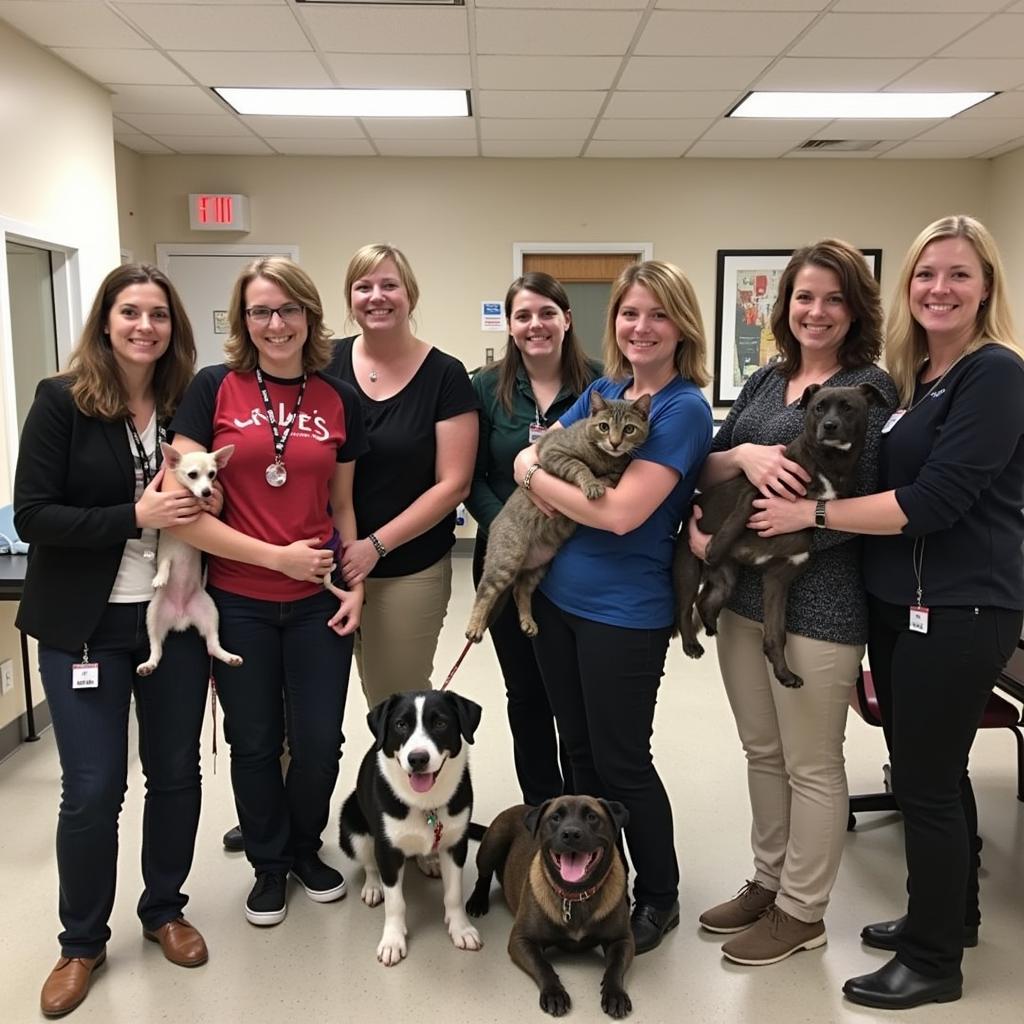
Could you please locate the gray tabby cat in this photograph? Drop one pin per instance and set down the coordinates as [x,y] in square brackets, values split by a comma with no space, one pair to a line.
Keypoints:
[593,454]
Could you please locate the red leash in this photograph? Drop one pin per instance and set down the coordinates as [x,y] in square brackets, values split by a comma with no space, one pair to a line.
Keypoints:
[455,667]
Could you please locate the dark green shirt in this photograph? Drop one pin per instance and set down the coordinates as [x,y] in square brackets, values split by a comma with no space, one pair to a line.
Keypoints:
[503,435]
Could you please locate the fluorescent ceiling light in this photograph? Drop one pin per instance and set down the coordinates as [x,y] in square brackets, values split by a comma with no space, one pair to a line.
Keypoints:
[349,102]
[872,105]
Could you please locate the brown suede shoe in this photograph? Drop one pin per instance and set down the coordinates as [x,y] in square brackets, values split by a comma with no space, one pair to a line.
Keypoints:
[182,944]
[68,984]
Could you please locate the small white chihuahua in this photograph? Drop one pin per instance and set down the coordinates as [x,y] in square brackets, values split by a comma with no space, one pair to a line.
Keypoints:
[179,600]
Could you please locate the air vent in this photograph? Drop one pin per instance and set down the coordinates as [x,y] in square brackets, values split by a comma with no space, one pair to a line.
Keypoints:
[840,145]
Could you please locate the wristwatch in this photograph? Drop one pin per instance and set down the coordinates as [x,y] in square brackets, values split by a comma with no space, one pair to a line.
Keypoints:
[819,514]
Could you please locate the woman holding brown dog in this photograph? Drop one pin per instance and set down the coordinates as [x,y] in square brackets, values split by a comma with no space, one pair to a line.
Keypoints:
[827,322]
[945,580]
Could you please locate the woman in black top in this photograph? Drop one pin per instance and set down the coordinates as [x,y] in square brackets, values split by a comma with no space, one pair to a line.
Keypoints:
[945,580]
[87,499]
[420,415]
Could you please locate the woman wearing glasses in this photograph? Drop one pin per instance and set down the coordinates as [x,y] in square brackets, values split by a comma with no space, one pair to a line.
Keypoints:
[287,509]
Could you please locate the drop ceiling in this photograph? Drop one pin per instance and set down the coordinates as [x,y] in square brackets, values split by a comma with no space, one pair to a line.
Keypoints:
[547,78]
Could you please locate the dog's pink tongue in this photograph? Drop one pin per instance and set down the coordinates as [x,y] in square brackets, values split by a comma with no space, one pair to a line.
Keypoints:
[573,866]
[421,782]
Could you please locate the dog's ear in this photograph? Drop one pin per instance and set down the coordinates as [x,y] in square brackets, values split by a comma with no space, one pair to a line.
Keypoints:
[221,455]
[534,815]
[643,405]
[873,394]
[377,719]
[171,456]
[598,402]
[617,812]
[809,392]
[468,713]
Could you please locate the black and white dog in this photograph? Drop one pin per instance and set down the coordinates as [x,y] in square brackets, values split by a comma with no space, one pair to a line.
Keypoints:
[413,797]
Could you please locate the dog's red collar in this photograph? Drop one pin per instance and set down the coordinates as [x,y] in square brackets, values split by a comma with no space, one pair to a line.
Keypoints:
[569,898]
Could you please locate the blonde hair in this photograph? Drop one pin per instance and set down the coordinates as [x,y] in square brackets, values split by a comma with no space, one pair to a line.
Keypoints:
[674,293]
[367,258]
[240,352]
[906,345]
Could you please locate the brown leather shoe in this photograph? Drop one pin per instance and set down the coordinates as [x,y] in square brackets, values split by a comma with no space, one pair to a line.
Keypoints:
[182,944]
[68,984]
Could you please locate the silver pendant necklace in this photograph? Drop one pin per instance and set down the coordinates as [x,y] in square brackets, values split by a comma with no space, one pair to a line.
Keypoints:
[373,376]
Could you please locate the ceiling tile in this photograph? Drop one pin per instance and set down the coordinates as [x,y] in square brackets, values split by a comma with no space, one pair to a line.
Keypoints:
[420,127]
[427,147]
[187,124]
[163,99]
[356,29]
[882,35]
[527,103]
[671,104]
[756,129]
[993,131]
[652,128]
[124,67]
[1007,104]
[555,32]
[725,34]
[738,150]
[495,72]
[884,128]
[321,147]
[71,24]
[636,149]
[127,5]
[254,68]
[918,6]
[1008,147]
[832,74]
[1002,36]
[566,5]
[744,5]
[532,148]
[541,128]
[401,71]
[184,27]
[691,72]
[949,150]
[140,143]
[222,146]
[952,73]
[305,127]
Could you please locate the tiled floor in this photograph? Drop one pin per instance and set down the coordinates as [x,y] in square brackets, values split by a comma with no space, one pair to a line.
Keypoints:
[319,965]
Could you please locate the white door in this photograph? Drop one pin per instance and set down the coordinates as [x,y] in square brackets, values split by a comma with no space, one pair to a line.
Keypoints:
[204,277]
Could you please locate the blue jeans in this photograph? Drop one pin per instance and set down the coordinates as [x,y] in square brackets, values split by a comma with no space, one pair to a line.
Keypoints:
[91,730]
[294,678]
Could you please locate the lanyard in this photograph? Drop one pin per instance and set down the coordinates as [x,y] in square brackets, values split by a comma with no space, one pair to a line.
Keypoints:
[140,450]
[280,440]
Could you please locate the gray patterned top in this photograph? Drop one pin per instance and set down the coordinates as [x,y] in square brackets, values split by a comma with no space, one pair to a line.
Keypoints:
[827,601]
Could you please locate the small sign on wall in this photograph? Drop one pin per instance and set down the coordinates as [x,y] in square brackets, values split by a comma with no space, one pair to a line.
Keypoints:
[492,316]
[218,211]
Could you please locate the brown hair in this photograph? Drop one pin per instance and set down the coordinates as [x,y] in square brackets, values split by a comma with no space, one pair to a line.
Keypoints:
[674,293]
[367,258]
[863,342]
[575,370]
[97,388]
[241,354]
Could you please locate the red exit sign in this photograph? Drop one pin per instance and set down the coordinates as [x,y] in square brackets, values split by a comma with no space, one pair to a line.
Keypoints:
[218,211]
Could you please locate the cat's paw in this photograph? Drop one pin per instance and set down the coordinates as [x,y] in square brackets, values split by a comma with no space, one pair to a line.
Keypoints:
[593,490]
[529,627]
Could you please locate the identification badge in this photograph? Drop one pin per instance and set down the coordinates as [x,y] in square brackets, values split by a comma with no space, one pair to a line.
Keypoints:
[918,618]
[85,676]
[536,432]
[893,420]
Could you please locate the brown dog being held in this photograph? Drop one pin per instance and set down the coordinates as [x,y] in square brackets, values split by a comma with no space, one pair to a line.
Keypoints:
[565,883]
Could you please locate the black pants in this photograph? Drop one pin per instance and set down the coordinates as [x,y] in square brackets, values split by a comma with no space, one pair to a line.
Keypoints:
[288,649]
[933,689]
[542,769]
[602,682]
[91,730]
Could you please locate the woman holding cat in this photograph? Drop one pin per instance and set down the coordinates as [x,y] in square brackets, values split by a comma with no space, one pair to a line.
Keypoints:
[604,609]
[541,374]
[87,498]
[827,322]
[945,582]
[296,434]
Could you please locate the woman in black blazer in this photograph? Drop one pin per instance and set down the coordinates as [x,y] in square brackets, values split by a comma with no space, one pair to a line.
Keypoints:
[87,499]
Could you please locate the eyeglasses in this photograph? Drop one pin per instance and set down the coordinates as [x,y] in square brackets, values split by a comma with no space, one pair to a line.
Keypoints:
[262,314]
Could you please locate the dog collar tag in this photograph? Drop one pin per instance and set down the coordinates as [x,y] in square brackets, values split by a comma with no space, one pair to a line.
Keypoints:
[893,420]
[566,910]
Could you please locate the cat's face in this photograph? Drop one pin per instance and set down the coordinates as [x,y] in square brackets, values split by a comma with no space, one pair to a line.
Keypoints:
[618,427]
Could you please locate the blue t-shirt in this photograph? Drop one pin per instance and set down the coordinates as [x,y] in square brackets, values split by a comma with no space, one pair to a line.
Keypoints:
[626,581]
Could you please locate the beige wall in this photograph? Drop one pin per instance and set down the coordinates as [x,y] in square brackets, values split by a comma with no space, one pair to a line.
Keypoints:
[130,196]
[57,176]
[1007,206]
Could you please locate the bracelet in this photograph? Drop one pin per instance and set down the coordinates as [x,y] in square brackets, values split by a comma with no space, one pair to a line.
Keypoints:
[819,514]
[529,475]
[378,547]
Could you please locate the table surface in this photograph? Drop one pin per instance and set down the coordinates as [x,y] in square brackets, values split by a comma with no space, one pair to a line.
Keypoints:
[12,576]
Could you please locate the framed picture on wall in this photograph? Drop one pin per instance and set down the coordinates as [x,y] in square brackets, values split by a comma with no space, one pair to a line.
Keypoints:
[747,287]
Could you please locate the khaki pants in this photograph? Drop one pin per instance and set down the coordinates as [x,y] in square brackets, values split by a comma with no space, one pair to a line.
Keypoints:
[796,772]
[398,632]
